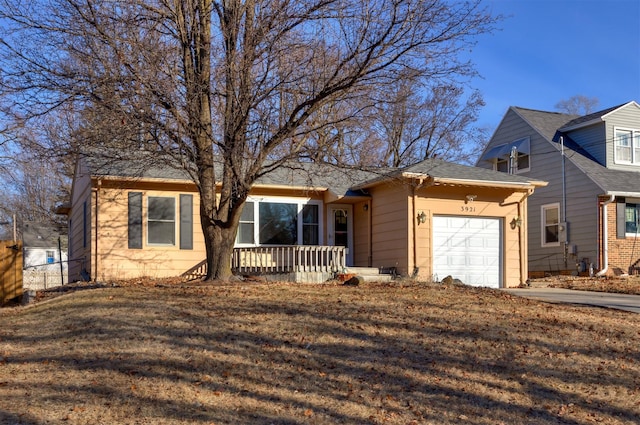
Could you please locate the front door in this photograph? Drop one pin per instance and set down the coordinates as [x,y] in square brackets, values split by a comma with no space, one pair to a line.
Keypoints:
[339,228]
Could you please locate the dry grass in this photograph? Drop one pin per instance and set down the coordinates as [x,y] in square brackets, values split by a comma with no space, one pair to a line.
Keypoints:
[618,284]
[315,354]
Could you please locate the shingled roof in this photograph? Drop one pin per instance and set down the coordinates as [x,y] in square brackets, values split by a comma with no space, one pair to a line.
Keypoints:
[552,125]
[443,171]
[545,123]
[341,181]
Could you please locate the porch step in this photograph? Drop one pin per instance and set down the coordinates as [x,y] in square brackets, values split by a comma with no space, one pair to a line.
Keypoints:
[370,274]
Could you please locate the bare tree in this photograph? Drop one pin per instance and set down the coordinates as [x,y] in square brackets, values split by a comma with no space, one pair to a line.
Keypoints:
[577,105]
[418,122]
[234,87]
[32,190]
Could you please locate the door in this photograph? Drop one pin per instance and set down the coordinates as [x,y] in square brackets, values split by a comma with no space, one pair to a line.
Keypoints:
[469,249]
[339,228]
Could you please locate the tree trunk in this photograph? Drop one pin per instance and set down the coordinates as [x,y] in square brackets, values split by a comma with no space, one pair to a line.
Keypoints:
[219,242]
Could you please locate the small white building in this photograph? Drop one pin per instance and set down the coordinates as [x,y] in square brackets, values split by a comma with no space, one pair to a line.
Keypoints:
[44,247]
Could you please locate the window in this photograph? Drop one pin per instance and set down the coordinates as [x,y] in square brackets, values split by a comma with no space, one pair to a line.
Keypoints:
[632,218]
[245,229]
[51,257]
[279,221]
[627,146]
[161,221]
[623,146]
[550,224]
[165,218]
[310,225]
[510,157]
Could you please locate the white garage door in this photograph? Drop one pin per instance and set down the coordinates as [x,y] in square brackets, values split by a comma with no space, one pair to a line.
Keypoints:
[468,249]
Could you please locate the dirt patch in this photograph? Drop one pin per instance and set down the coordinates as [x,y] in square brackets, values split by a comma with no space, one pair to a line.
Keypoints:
[319,354]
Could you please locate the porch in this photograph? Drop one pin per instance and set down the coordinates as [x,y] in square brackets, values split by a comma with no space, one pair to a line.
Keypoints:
[297,263]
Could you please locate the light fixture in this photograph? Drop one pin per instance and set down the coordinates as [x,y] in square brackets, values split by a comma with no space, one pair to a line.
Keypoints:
[516,222]
[471,198]
[365,207]
[422,218]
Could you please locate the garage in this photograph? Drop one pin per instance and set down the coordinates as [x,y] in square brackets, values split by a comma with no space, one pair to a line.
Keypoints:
[469,249]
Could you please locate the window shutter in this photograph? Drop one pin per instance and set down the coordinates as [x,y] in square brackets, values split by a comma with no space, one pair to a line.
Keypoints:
[621,225]
[186,221]
[135,220]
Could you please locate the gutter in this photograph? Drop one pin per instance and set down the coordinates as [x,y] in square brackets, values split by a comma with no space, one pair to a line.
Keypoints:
[605,237]
[96,190]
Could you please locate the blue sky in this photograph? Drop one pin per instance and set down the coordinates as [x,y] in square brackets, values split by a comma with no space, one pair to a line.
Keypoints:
[547,51]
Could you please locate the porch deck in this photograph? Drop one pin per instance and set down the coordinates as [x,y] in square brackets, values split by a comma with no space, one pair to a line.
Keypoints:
[298,263]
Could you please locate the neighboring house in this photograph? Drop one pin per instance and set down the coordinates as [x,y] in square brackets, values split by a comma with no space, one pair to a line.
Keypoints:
[43,247]
[588,214]
[432,219]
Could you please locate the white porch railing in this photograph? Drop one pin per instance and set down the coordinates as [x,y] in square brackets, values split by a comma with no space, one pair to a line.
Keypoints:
[281,259]
[287,259]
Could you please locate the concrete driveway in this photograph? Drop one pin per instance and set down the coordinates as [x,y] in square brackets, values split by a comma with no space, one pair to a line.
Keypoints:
[569,296]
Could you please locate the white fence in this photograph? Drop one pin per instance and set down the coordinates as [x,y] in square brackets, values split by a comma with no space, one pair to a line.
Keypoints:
[285,259]
[37,280]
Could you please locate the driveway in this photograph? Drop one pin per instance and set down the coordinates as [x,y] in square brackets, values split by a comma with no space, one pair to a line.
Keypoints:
[569,296]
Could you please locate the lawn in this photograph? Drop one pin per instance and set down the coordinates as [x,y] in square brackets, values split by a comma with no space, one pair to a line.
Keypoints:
[396,353]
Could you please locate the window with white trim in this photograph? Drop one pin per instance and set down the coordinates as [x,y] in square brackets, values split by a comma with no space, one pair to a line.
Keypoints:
[627,146]
[551,224]
[161,220]
[632,219]
[246,226]
[51,257]
[279,221]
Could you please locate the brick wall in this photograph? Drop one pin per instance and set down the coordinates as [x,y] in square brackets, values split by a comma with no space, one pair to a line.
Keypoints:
[623,253]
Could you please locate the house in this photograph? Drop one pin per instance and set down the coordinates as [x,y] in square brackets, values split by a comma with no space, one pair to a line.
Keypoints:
[432,219]
[587,216]
[44,247]
[44,255]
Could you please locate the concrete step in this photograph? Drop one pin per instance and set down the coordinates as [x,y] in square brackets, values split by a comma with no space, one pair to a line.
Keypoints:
[369,274]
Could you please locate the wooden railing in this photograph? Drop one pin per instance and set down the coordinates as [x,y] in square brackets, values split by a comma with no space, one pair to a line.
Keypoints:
[281,259]
[287,259]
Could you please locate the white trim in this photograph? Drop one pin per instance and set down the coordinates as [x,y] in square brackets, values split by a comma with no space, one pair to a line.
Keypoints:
[636,202]
[330,228]
[145,214]
[543,224]
[635,158]
[299,202]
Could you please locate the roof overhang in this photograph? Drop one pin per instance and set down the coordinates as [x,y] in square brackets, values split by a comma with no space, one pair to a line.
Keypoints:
[430,180]
[484,183]
[623,194]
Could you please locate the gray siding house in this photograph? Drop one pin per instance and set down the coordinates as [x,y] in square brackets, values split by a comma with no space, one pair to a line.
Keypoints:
[587,217]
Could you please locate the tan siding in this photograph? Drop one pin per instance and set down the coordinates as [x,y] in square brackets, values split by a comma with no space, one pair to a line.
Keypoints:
[117,261]
[390,227]
[361,237]
[451,201]
[80,253]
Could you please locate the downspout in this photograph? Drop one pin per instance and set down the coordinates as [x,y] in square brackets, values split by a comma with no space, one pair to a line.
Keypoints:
[370,219]
[605,237]
[95,234]
[564,201]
